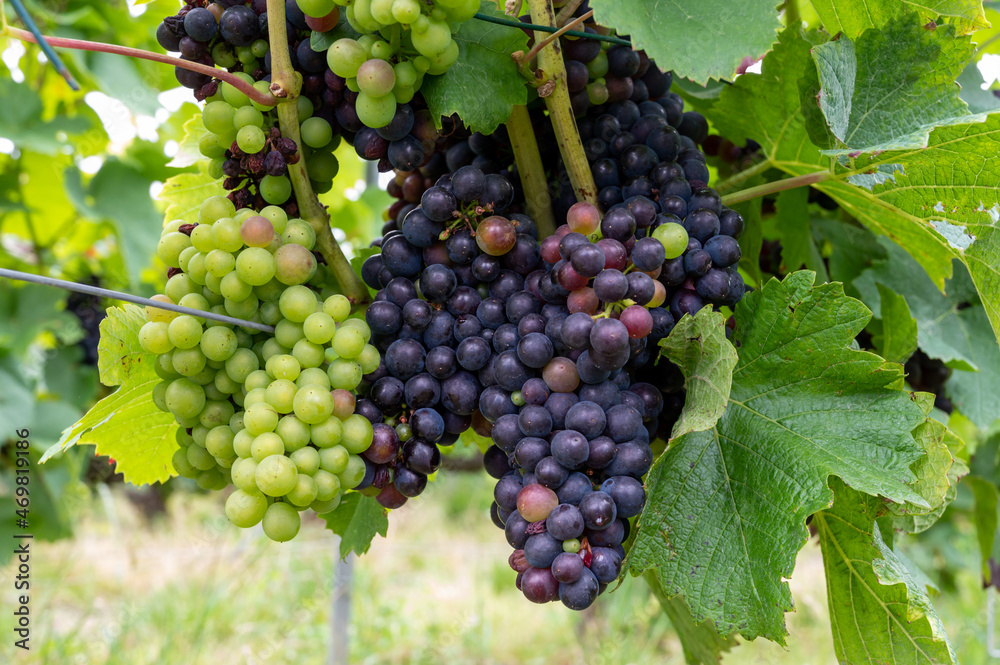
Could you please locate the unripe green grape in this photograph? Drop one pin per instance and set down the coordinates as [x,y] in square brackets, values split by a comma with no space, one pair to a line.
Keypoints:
[226,235]
[208,146]
[598,67]
[304,492]
[313,376]
[275,475]
[275,189]
[316,8]
[280,394]
[160,395]
[404,432]
[195,301]
[243,214]
[225,384]
[430,38]
[363,17]
[218,117]
[403,95]
[334,459]
[217,168]
[241,364]
[281,522]
[360,325]
[251,139]
[283,366]
[157,315]
[206,375]
[259,47]
[269,313]
[165,366]
[236,422]
[219,263]
[406,74]
[293,432]
[337,307]
[309,355]
[265,445]
[316,132]
[287,333]
[170,246]
[463,12]
[597,92]
[199,433]
[181,464]
[260,418]
[196,269]
[352,85]
[421,63]
[215,208]
[349,342]
[313,405]
[300,233]
[672,236]
[235,289]
[233,95]
[383,50]
[376,112]
[155,338]
[223,55]
[216,413]
[270,291]
[185,258]
[324,507]
[345,56]
[200,458]
[245,510]
[306,460]
[381,11]
[242,444]
[323,166]
[184,332]
[179,286]
[443,60]
[406,11]
[255,266]
[246,56]
[353,474]
[327,484]
[213,480]
[220,442]
[305,108]
[277,216]
[319,327]
[297,303]
[293,264]
[344,374]
[376,78]
[255,396]
[357,434]
[243,475]
[369,359]
[218,343]
[247,116]
[327,433]
[245,309]
[263,87]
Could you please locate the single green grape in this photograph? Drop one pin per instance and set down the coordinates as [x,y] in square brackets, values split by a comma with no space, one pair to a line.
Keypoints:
[294,433]
[304,492]
[260,418]
[357,434]
[170,246]
[287,333]
[334,459]
[280,394]
[376,112]
[297,303]
[220,442]
[299,233]
[277,216]
[255,266]
[245,510]
[186,399]
[673,237]
[218,117]
[369,359]
[281,522]
[155,338]
[319,327]
[251,139]
[354,473]
[316,132]
[316,8]
[184,331]
[349,342]
[313,405]
[215,208]
[200,458]
[309,355]
[283,366]
[313,376]
[327,433]
[345,56]
[266,444]
[275,189]
[243,475]
[275,475]
[247,116]
[218,343]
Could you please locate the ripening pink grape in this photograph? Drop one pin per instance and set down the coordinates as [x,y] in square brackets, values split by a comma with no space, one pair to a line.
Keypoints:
[637,320]
[583,218]
[583,300]
[293,264]
[257,231]
[343,403]
[614,252]
[326,23]
[562,231]
[550,249]
[560,375]
[570,279]
[535,502]
[496,235]
[659,294]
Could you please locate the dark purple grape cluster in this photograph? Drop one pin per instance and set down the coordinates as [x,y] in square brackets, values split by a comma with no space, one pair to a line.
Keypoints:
[442,280]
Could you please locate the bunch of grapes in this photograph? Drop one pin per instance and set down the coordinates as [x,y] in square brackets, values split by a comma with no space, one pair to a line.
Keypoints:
[272,414]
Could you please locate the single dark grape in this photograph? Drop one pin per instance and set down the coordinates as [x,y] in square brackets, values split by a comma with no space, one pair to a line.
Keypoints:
[582,593]
[460,393]
[730,223]
[724,250]
[438,282]
[239,25]
[587,418]
[200,24]
[570,448]
[384,318]
[648,254]
[534,420]
[550,473]
[611,286]
[438,204]
[490,313]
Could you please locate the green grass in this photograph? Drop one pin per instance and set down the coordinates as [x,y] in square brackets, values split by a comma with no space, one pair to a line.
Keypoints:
[191,590]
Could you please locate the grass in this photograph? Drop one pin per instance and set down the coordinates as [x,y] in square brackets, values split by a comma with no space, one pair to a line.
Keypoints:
[192,590]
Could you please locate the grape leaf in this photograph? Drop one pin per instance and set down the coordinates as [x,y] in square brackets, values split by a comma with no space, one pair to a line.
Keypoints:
[951,183]
[852,17]
[919,67]
[184,193]
[484,85]
[897,339]
[126,425]
[752,239]
[188,148]
[726,508]
[794,230]
[357,520]
[878,611]
[984,515]
[702,644]
[697,40]
[23,122]
[977,394]
[853,249]
[698,345]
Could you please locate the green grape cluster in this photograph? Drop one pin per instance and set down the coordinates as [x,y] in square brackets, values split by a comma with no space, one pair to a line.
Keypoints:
[402,40]
[271,414]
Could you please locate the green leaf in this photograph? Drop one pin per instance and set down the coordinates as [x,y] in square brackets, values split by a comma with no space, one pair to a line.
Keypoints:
[878,611]
[752,239]
[984,515]
[947,190]
[697,40]
[188,150]
[852,17]
[898,338]
[483,86]
[29,310]
[357,520]
[977,394]
[126,425]
[702,644]
[698,345]
[726,508]
[119,78]
[853,249]
[21,120]
[794,229]
[889,88]
[183,195]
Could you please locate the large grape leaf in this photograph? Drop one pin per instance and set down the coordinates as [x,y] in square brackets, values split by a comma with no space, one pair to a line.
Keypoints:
[793,228]
[939,203]
[357,520]
[879,611]
[896,339]
[484,85]
[726,508]
[126,425]
[977,394]
[697,40]
[702,644]
[851,17]
[698,345]
[917,64]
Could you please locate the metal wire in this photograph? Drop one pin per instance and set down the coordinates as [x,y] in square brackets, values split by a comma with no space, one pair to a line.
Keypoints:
[127,297]
[46,47]
[547,28]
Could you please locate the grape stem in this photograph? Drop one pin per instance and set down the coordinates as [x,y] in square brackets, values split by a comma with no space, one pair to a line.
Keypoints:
[550,61]
[531,171]
[556,35]
[99,47]
[286,85]
[776,186]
